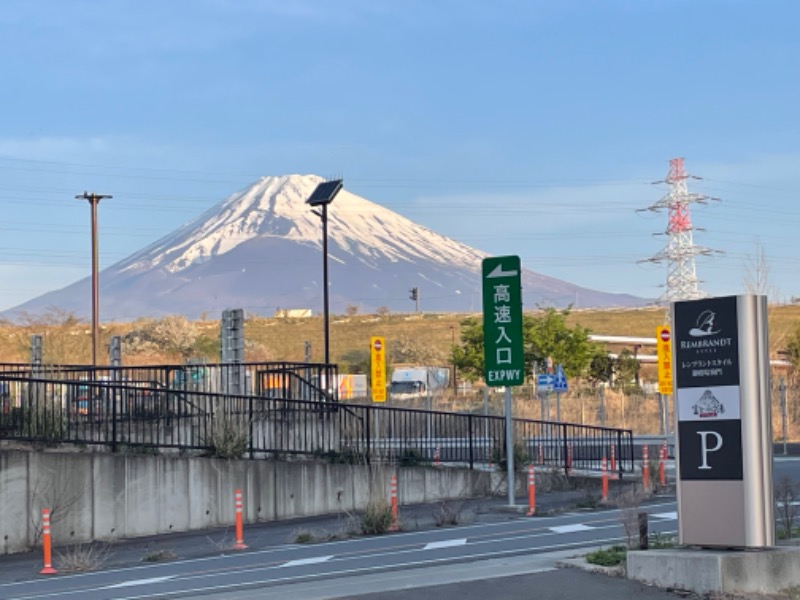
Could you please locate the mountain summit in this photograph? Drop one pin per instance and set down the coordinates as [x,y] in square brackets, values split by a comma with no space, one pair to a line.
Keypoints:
[261,249]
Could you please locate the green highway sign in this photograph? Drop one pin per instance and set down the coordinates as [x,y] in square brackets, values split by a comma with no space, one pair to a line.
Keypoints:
[503,353]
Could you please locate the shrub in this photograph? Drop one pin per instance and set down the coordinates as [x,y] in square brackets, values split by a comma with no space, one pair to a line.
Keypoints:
[83,557]
[377,517]
[448,513]
[411,457]
[607,557]
[521,456]
[229,435]
[786,496]
[161,555]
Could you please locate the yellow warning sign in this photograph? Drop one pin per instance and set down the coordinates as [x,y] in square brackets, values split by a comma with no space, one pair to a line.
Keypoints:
[664,351]
[377,354]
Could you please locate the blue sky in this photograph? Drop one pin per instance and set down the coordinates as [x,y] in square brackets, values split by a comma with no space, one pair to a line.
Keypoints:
[524,127]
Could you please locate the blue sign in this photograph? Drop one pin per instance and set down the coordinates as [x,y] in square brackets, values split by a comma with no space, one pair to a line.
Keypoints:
[544,382]
[560,381]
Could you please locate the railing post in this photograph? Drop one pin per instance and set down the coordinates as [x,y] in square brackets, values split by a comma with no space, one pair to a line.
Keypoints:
[471,443]
[115,391]
[368,434]
[250,426]
[563,429]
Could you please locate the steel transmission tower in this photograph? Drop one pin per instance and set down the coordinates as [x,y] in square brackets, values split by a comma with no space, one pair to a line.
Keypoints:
[680,251]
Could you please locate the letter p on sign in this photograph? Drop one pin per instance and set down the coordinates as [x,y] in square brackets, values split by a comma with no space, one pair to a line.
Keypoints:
[704,447]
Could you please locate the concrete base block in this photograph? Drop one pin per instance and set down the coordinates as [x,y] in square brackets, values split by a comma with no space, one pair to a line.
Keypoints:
[765,571]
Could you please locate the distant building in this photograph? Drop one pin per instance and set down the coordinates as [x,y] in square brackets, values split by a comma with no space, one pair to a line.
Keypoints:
[293,313]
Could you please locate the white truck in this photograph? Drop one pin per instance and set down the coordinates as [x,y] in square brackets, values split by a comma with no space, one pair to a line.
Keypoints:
[418,382]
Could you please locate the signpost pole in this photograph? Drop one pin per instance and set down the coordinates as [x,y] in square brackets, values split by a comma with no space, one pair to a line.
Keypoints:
[558,407]
[782,388]
[510,448]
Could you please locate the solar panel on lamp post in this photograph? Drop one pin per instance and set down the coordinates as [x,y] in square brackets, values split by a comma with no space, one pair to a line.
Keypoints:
[320,198]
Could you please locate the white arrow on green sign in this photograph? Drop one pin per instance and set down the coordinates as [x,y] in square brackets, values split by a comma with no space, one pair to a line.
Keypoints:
[503,358]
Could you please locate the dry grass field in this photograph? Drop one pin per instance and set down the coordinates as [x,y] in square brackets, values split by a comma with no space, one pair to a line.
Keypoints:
[283,339]
[410,338]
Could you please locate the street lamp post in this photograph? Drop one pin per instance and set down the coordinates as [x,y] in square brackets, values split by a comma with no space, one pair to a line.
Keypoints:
[321,197]
[94,200]
[453,352]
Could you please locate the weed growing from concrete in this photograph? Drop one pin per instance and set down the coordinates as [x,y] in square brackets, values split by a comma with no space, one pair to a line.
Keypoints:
[83,557]
[659,541]
[377,517]
[302,536]
[162,555]
[629,502]
[608,557]
[448,513]
[229,436]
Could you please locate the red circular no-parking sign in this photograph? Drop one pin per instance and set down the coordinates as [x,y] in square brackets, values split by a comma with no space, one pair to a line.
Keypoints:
[664,335]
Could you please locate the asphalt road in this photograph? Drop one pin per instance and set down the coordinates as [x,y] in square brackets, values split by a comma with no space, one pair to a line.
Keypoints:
[538,542]
[508,555]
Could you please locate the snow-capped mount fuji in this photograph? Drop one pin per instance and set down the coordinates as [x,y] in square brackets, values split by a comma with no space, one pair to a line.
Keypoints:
[260,249]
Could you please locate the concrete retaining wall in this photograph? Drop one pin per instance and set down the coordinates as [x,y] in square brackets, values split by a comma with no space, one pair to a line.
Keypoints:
[95,496]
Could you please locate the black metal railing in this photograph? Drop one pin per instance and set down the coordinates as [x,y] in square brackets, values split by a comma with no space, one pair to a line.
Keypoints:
[299,381]
[124,412]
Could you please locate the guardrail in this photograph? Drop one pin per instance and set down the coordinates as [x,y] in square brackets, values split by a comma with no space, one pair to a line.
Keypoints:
[135,416]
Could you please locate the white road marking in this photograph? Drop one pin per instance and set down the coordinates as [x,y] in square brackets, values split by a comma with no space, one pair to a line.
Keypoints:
[445,544]
[136,582]
[669,516]
[570,528]
[307,561]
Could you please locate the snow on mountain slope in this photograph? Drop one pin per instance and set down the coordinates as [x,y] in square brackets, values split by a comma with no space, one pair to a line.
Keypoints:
[260,249]
[275,207]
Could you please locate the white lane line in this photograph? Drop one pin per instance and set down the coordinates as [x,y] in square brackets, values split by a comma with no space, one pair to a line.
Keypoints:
[669,516]
[570,528]
[307,561]
[426,562]
[136,582]
[445,544]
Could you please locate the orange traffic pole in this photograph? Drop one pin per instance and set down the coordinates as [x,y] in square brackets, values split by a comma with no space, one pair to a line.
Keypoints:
[394,526]
[239,545]
[531,491]
[645,469]
[604,471]
[46,544]
[662,476]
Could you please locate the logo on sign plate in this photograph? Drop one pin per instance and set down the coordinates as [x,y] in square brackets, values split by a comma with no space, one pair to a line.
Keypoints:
[705,324]
[708,406]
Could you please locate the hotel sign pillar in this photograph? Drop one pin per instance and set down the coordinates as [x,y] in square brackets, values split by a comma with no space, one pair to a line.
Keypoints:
[722,398]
